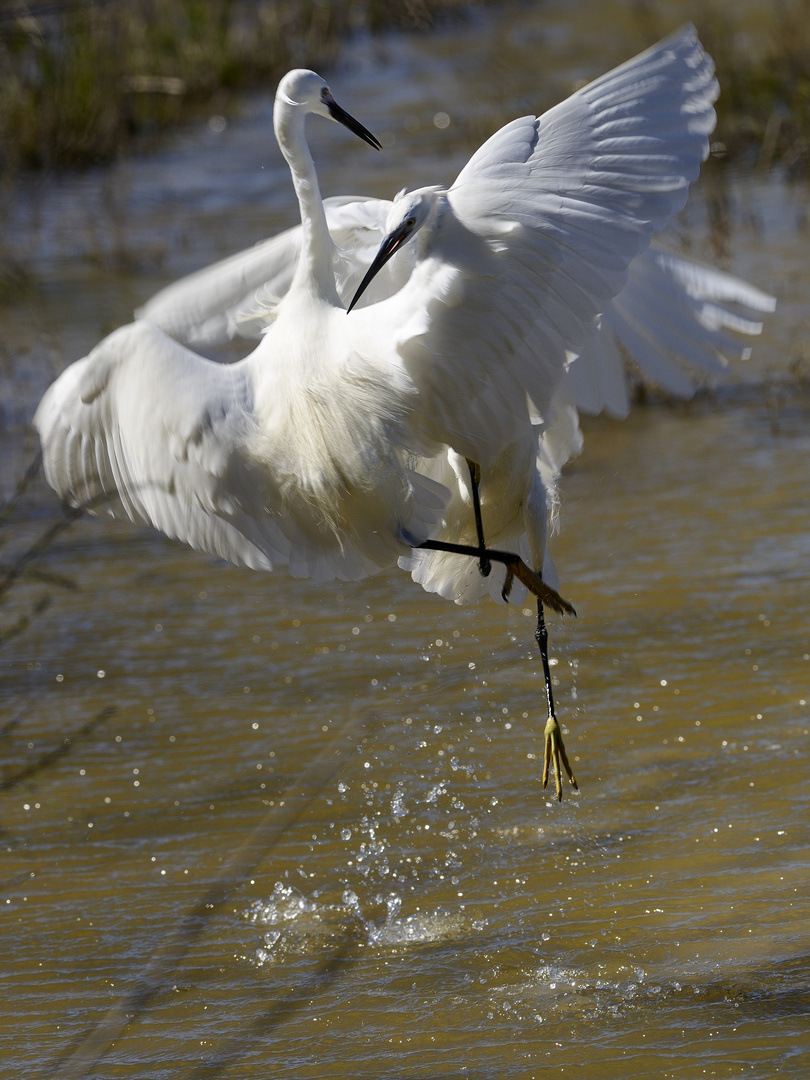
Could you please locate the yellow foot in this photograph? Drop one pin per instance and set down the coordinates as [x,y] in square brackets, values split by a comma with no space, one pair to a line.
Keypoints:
[555,755]
[535,584]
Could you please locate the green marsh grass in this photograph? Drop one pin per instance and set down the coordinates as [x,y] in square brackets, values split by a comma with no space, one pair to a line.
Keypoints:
[79,77]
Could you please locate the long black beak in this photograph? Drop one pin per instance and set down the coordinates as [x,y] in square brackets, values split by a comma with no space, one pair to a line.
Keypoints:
[349,121]
[391,244]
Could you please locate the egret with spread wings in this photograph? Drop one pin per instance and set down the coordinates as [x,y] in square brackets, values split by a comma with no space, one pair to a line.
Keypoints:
[323,449]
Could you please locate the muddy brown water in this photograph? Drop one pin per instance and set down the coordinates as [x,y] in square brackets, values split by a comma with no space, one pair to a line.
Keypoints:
[252,827]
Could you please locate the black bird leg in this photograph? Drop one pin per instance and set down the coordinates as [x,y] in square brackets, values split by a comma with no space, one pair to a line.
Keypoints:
[484,564]
[554,753]
[515,568]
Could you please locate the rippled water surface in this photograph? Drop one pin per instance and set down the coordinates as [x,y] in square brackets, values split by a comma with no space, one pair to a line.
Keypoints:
[256,828]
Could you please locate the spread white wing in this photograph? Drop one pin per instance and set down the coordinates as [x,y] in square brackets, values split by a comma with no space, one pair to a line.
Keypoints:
[237,295]
[536,238]
[143,428]
[112,444]
[539,231]
[674,323]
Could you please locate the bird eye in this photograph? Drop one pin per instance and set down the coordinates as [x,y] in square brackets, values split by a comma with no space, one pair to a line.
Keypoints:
[409,224]
[325,92]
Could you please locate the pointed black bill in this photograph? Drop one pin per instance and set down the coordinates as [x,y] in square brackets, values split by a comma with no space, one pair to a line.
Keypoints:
[391,244]
[349,121]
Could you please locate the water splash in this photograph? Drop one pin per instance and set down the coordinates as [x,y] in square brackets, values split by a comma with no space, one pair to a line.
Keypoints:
[412,929]
[554,990]
[296,923]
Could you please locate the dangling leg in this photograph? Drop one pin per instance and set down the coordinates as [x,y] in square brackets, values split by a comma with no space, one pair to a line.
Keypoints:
[484,565]
[516,568]
[555,747]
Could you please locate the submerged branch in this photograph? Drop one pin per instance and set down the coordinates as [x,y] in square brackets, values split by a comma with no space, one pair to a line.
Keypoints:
[39,547]
[23,484]
[154,977]
[50,756]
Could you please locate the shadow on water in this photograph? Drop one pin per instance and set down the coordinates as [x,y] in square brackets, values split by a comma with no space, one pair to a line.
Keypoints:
[307,993]
[769,993]
[154,979]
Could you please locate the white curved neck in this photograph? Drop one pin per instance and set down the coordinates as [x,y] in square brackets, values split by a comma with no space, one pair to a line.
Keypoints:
[314,271]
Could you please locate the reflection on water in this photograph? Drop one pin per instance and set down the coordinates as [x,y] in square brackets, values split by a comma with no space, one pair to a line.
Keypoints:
[424,910]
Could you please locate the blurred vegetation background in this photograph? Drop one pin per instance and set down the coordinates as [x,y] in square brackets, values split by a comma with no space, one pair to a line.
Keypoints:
[80,78]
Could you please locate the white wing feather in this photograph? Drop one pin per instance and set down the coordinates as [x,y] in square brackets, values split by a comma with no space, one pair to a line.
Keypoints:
[111,445]
[143,428]
[237,295]
[198,308]
[540,229]
[672,323]
[542,225]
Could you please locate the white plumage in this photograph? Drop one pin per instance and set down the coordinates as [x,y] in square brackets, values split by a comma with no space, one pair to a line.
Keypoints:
[298,455]
[668,319]
[237,296]
[338,445]
[670,324]
[335,446]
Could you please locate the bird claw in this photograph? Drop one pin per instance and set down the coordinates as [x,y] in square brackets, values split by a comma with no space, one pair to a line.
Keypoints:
[535,584]
[515,568]
[556,756]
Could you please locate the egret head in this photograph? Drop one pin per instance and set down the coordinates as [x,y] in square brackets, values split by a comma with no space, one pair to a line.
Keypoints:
[305,90]
[411,211]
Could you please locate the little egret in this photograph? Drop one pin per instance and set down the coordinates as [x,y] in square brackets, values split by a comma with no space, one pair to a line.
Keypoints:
[327,447]
[671,322]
